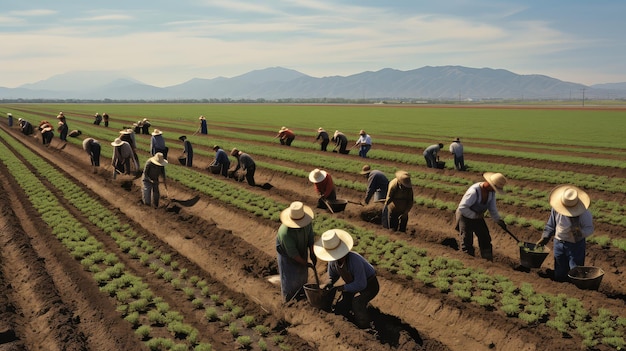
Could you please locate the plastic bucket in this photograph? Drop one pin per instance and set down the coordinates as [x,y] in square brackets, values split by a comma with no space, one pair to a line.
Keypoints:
[586,277]
[440,164]
[338,205]
[182,160]
[215,169]
[530,258]
[319,298]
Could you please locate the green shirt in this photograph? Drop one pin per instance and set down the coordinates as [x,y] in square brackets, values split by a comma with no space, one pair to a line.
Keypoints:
[295,241]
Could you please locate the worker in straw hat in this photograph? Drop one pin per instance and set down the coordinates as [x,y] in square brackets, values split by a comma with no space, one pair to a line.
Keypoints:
[359,277]
[152,171]
[157,143]
[398,202]
[187,154]
[324,187]
[570,223]
[294,244]
[123,158]
[364,143]
[203,129]
[323,138]
[377,184]
[470,214]
[221,160]
[341,142]
[286,136]
[246,164]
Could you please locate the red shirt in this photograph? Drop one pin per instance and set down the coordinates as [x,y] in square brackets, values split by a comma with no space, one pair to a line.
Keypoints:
[326,186]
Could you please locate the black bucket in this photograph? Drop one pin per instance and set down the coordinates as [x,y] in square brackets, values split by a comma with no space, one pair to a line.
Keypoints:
[440,165]
[215,169]
[586,277]
[182,160]
[338,205]
[319,298]
[530,258]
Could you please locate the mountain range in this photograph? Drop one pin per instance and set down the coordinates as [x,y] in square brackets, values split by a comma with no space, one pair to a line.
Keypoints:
[277,83]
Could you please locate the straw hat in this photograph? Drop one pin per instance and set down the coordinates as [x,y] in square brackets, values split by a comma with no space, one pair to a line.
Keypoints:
[126,131]
[569,200]
[320,129]
[216,147]
[117,142]
[20,119]
[157,132]
[182,138]
[9,114]
[158,159]
[496,180]
[234,152]
[282,129]
[362,132]
[366,169]
[60,116]
[297,215]
[457,140]
[404,178]
[336,133]
[333,244]
[144,120]
[201,117]
[317,175]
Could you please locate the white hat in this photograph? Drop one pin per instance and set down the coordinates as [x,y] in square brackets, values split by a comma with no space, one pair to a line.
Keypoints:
[569,200]
[496,180]
[117,142]
[157,132]
[333,244]
[158,159]
[297,215]
[201,117]
[126,131]
[9,114]
[320,129]
[317,175]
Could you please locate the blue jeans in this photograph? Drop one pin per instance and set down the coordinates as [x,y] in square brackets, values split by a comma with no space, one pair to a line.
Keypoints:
[364,149]
[292,276]
[150,194]
[567,256]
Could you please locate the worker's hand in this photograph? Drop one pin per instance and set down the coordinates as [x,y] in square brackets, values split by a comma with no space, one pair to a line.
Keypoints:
[542,241]
[501,224]
[340,288]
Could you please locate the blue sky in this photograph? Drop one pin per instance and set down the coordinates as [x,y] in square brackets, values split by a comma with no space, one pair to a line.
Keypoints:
[165,43]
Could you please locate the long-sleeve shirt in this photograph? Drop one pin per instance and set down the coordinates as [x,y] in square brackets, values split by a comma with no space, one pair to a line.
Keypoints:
[340,139]
[473,205]
[88,144]
[221,157]
[432,150]
[326,186]
[123,152]
[456,148]
[152,172]
[376,181]
[286,134]
[187,148]
[570,229]
[323,136]
[156,143]
[364,140]
[294,242]
[355,272]
[399,198]
[244,161]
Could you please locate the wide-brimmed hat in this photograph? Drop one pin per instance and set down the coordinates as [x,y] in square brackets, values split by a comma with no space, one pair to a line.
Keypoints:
[496,180]
[282,129]
[117,142]
[201,117]
[333,244]
[320,129]
[157,132]
[144,120]
[182,138]
[297,215]
[60,116]
[366,169]
[456,139]
[20,119]
[317,175]
[126,131]
[362,132]
[216,147]
[404,178]
[9,114]
[569,200]
[234,152]
[158,159]
[336,133]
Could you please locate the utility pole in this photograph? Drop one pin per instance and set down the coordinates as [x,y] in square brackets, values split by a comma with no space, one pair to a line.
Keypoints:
[584,96]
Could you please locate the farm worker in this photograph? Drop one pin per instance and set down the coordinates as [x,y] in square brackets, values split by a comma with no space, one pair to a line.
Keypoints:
[570,223]
[92,148]
[75,133]
[122,157]
[221,159]
[323,138]
[294,243]
[456,149]
[25,126]
[47,132]
[324,187]
[470,214]
[398,203]
[187,151]
[97,119]
[105,117]
[154,168]
[377,184]
[431,155]
[364,143]
[145,127]
[341,142]
[203,125]
[128,135]
[63,127]
[286,136]
[157,143]
[245,163]
[10,117]
[359,277]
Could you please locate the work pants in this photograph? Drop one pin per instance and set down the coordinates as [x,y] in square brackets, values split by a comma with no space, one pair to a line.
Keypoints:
[397,220]
[567,256]
[94,154]
[324,145]
[150,193]
[363,150]
[459,163]
[431,161]
[467,228]
[293,276]
[357,303]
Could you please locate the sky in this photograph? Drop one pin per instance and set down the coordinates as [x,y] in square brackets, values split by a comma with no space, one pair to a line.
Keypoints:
[164,43]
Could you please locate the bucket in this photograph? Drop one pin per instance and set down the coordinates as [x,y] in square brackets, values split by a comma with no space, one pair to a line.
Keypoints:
[338,205]
[215,169]
[440,165]
[182,160]
[319,298]
[530,258]
[586,277]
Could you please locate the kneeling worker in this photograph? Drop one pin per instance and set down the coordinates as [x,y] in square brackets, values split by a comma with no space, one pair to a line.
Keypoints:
[359,276]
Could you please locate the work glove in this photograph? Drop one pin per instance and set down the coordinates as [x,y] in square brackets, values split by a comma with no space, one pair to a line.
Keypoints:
[501,224]
[542,241]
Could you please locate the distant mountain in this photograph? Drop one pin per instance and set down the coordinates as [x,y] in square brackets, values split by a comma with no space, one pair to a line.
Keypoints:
[426,83]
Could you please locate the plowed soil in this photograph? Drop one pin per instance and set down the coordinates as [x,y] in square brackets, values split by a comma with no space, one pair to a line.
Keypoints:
[48,301]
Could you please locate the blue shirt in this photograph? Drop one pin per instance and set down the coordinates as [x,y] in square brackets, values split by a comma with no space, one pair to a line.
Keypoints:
[221,157]
[157,143]
[570,229]
[357,267]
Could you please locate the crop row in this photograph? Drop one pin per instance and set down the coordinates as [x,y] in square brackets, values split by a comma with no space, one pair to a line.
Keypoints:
[136,301]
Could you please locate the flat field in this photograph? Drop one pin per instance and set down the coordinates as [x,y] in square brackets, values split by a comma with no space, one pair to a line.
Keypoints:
[85,266]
